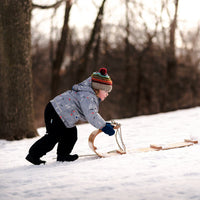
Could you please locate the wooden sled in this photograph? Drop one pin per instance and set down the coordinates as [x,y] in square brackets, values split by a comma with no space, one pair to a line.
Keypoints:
[152,147]
[155,147]
[91,139]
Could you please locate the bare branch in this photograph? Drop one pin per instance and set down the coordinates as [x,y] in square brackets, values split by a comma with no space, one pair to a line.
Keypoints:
[55,5]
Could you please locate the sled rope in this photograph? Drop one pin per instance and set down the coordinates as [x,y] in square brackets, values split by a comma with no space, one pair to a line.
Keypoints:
[118,138]
[118,134]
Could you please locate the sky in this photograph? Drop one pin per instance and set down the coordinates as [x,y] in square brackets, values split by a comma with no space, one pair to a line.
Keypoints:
[84,13]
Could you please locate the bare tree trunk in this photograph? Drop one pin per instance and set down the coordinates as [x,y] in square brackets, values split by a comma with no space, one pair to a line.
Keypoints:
[60,51]
[130,72]
[171,74]
[172,46]
[140,72]
[96,50]
[83,66]
[16,104]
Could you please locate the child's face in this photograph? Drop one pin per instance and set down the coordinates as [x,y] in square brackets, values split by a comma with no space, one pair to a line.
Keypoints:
[102,94]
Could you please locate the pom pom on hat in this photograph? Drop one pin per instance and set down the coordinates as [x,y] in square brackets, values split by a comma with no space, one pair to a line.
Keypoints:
[103,71]
[101,80]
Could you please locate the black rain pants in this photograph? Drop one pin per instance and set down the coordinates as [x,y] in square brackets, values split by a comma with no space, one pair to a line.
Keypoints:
[57,132]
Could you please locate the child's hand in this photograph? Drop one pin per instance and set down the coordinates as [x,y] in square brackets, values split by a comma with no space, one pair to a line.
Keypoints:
[108,129]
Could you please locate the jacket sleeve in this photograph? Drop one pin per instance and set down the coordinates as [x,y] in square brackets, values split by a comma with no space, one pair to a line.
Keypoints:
[90,110]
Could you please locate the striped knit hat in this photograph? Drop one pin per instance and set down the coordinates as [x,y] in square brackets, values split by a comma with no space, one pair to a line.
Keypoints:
[101,80]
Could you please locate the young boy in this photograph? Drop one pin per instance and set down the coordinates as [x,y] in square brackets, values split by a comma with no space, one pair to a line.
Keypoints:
[65,110]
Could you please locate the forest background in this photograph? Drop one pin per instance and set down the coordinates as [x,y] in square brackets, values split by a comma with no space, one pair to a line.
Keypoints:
[152,56]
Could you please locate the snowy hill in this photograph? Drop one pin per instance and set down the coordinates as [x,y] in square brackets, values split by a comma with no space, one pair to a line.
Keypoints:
[160,175]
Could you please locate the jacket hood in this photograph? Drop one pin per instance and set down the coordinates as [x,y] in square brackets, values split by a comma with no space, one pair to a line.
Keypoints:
[86,85]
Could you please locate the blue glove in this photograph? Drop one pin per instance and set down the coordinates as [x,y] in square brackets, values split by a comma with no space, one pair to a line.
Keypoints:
[108,129]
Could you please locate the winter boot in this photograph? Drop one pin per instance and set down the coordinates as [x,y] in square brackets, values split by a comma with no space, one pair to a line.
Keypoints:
[35,161]
[67,158]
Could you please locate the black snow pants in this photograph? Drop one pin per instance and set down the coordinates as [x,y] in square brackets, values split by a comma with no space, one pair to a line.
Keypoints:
[57,132]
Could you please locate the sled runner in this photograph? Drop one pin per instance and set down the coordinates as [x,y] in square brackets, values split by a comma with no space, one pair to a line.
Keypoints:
[171,146]
[158,147]
[122,148]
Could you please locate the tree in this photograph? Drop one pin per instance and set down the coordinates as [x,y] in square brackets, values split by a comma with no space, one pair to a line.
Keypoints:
[83,70]
[129,67]
[171,76]
[61,46]
[16,105]
[57,60]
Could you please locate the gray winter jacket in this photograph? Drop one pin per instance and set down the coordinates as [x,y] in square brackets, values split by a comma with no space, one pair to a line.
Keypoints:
[80,103]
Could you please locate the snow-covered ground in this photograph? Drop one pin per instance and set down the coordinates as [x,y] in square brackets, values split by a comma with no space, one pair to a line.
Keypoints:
[159,175]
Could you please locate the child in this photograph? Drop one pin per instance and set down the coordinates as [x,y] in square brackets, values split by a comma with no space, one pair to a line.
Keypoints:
[65,110]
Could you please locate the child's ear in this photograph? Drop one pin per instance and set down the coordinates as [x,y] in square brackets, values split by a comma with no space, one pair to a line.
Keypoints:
[96,91]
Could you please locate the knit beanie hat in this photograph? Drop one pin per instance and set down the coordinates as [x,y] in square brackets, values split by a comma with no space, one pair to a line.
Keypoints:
[101,80]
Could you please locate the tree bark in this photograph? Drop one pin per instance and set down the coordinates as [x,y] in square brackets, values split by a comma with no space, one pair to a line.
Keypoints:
[16,104]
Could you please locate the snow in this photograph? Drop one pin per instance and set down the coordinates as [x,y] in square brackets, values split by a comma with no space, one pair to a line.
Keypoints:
[171,174]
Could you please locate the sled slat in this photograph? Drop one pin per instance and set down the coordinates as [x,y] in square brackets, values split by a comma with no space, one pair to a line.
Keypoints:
[192,141]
